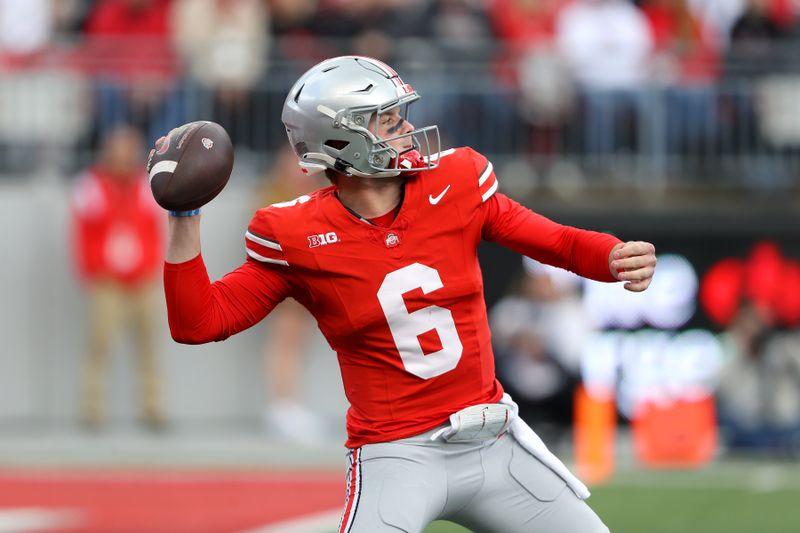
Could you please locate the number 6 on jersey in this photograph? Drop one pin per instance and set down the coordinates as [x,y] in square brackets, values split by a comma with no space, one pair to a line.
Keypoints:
[407,327]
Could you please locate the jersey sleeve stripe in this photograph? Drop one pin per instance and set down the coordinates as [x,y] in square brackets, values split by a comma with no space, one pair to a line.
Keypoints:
[263,241]
[263,259]
[488,194]
[487,172]
[263,251]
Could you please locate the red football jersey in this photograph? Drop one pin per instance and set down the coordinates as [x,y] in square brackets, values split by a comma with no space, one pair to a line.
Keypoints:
[401,305]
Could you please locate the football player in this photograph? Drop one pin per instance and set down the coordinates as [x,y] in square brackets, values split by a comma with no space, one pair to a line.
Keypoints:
[385,258]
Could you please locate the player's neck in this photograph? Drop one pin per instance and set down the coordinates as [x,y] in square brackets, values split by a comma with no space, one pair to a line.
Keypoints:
[370,198]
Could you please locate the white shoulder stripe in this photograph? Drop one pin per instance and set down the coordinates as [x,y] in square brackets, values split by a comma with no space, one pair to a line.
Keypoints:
[263,259]
[485,196]
[263,242]
[486,174]
[163,166]
[444,153]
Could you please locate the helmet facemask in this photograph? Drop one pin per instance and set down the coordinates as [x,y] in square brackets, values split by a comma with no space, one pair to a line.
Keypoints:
[383,157]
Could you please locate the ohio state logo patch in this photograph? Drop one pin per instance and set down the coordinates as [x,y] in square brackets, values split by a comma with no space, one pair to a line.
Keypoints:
[392,240]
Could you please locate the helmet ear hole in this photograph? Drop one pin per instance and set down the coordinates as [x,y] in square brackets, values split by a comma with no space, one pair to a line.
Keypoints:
[337,144]
[297,95]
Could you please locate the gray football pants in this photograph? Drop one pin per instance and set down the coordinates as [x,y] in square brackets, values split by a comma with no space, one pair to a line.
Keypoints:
[493,486]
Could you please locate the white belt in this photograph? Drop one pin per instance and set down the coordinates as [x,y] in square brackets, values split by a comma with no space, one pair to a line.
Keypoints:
[477,422]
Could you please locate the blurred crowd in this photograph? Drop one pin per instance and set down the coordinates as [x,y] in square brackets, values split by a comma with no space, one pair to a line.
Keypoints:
[547,77]
[547,341]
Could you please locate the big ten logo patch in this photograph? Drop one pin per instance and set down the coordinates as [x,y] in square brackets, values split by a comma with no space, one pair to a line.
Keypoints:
[321,239]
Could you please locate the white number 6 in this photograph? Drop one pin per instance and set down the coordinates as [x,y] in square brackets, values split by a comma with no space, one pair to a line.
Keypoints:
[407,327]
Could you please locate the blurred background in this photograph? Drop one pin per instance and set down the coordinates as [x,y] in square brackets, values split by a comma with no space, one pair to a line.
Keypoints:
[674,121]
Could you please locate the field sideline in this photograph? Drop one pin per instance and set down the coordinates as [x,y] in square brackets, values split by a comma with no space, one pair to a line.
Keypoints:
[729,497]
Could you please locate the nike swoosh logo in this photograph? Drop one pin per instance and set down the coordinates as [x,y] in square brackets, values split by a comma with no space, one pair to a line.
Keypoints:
[435,199]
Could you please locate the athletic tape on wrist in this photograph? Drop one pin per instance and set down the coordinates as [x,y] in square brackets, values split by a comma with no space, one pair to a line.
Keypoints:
[191,213]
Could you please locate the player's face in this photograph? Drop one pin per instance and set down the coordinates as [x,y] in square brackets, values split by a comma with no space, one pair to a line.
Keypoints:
[391,124]
[122,152]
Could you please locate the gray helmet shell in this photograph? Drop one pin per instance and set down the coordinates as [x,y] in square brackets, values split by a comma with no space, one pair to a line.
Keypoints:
[328,110]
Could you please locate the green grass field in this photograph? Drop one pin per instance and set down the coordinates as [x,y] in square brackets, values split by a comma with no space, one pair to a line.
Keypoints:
[731,497]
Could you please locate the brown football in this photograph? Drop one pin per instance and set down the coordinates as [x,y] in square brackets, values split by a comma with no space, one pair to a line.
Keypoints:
[191,166]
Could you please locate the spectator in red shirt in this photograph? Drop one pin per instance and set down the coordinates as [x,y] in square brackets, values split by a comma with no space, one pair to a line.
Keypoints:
[530,65]
[687,68]
[682,40]
[522,25]
[129,52]
[117,230]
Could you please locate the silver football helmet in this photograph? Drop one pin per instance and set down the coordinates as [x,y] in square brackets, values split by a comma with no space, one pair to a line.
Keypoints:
[327,117]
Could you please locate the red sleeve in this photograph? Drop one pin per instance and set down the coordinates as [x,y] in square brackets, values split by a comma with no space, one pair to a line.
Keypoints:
[200,311]
[520,229]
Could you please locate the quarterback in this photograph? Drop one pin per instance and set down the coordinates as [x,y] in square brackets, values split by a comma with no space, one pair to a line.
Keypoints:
[385,259]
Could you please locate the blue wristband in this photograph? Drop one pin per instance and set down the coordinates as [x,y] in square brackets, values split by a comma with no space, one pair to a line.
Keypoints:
[191,213]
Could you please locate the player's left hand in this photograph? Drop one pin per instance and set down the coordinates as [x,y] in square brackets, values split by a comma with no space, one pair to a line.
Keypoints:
[633,262]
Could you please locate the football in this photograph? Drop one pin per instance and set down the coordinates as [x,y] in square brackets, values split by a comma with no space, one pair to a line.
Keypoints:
[191,166]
